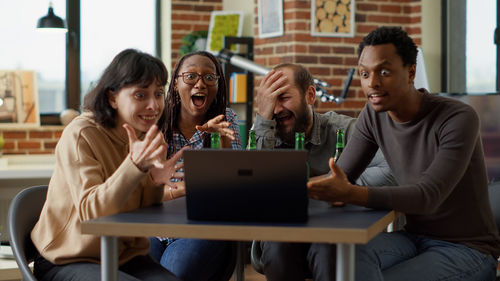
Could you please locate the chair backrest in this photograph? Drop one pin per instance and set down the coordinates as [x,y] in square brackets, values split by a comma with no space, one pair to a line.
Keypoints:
[494,195]
[24,212]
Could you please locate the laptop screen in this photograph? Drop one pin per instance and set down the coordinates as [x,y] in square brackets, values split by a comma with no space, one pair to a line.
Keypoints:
[246,185]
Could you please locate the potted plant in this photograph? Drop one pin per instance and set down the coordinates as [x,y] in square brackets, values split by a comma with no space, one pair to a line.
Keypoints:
[194,41]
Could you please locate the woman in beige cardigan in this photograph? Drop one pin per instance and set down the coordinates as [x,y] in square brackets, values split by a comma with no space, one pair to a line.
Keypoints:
[108,160]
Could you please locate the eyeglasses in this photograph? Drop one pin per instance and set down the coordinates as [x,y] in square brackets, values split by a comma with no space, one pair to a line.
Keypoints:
[192,78]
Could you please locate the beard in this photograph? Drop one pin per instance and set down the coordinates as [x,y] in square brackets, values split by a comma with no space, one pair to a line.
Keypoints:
[302,120]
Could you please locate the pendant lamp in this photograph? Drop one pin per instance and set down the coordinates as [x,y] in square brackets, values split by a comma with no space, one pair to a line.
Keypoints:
[51,22]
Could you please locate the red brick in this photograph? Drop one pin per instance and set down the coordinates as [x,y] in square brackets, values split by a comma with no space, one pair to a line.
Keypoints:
[352,61]
[306,59]
[297,25]
[297,15]
[304,37]
[40,135]
[9,145]
[378,19]
[200,27]
[28,144]
[366,7]
[340,71]
[300,48]
[182,7]
[186,17]
[179,26]
[329,39]
[14,135]
[415,19]
[264,51]
[275,60]
[320,71]
[360,18]
[343,50]
[49,144]
[335,82]
[396,19]
[365,29]
[57,134]
[396,9]
[330,60]
[296,4]
[319,49]
[354,40]
[281,49]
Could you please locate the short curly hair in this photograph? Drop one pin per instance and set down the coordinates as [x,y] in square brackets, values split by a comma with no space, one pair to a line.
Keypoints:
[405,47]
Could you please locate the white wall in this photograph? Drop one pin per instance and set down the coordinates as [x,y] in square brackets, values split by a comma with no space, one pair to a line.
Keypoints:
[247,7]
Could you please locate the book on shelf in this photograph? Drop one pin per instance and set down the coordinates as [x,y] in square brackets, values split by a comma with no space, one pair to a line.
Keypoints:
[238,88]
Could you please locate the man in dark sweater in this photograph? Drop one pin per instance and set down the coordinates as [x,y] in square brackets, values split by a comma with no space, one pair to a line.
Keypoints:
[433,146]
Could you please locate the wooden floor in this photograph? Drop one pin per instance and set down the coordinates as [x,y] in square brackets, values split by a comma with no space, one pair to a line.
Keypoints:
[251,274]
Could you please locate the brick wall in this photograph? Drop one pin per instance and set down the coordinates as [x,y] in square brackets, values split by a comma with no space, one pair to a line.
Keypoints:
[41,140]
[329,58]
[188,16]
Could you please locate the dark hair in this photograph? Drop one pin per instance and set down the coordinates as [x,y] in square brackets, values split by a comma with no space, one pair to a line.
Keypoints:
[405,47]
[173,104]
[129,67]
[303,78]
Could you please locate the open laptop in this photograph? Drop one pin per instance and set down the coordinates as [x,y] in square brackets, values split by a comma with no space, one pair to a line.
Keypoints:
[246,185]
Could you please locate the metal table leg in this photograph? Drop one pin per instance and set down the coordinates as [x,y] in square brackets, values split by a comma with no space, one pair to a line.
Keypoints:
[240,262]
[345,262]
[109,258]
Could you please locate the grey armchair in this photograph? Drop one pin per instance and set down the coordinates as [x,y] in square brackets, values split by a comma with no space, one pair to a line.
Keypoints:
[24,212]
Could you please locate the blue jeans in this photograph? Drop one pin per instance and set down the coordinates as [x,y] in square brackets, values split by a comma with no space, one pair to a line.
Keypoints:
[404,256]
[192,259]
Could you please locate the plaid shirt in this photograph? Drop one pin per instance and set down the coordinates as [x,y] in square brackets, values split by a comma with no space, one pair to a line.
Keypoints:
[196,141]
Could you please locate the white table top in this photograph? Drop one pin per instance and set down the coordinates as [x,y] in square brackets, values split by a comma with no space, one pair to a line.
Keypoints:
[26,166]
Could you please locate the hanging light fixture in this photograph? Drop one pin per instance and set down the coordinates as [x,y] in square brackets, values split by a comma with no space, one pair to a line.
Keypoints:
[51,22]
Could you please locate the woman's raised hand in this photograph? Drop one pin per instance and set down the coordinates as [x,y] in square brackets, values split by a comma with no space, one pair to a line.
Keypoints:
[169,170]
[217,124]
[149,152]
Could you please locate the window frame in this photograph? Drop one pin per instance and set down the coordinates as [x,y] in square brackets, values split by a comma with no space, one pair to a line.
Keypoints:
[447,42]
[73,51]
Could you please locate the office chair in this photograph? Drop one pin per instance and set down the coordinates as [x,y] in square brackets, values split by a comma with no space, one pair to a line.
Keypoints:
[256,257]
[24,212]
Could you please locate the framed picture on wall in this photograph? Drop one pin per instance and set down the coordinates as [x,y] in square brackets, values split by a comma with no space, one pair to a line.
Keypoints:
[333,18]
[18,99]
[270,18]
[223,23]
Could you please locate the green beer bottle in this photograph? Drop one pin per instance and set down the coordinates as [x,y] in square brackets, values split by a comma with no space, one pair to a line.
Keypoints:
[339,147]
[215,140]
[252,140]
[300,140]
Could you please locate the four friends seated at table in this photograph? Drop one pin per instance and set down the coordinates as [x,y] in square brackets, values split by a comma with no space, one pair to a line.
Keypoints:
[113,158]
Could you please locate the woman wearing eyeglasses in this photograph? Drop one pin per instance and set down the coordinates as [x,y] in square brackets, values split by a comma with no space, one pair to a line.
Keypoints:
[196,106]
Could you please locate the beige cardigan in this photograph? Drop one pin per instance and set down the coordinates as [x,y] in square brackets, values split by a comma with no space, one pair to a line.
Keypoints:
[93,177]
